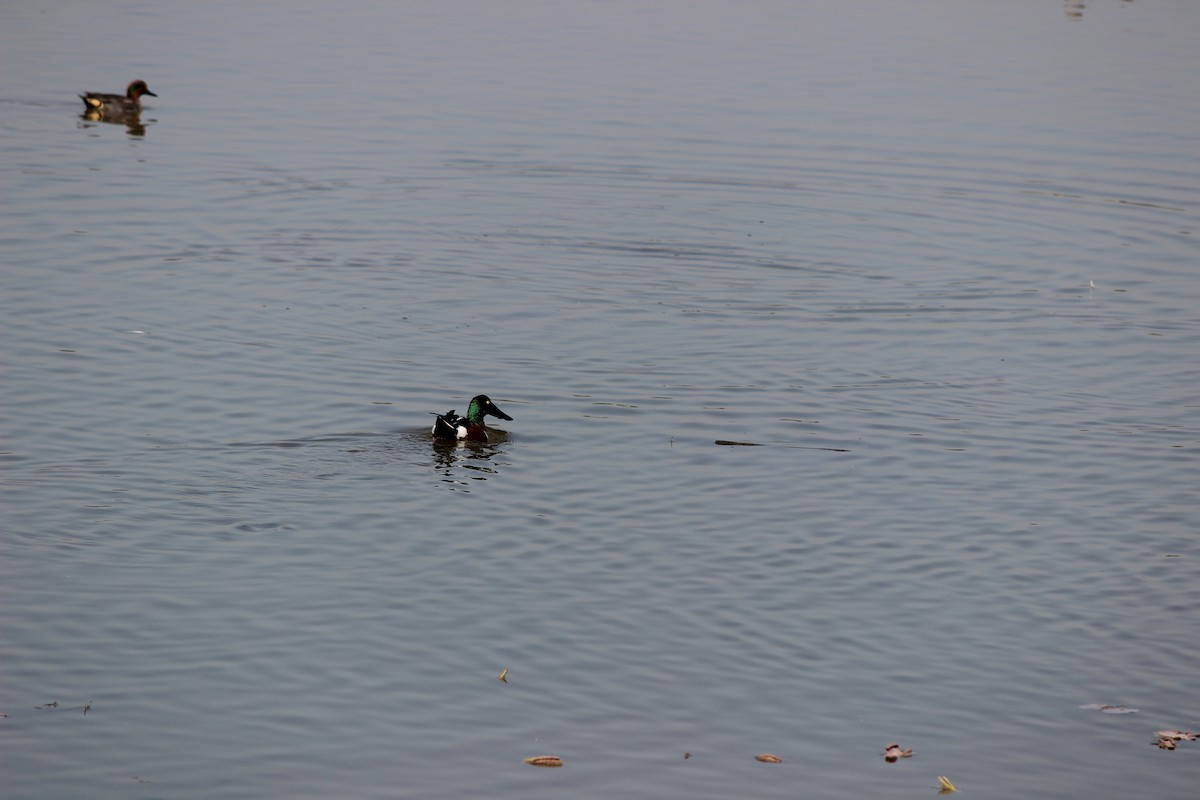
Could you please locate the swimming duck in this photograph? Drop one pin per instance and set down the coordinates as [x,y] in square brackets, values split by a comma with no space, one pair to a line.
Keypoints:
[129,103]
[470,427]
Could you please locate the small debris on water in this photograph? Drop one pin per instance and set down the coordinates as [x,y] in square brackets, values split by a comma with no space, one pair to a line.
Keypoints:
[894,751]
[1166,739]
[503,676]
[946,785]
[544,761]
[53,706]
[1178,736]
[767,758]
[1107,709]
[730,443]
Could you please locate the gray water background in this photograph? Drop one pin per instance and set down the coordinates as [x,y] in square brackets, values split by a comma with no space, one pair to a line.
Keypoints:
[938,258]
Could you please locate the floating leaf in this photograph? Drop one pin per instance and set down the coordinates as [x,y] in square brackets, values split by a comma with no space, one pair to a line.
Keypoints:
[1165,743]
[544,761]
[1178,736]
[894,751]
[767,758]
[503,676]
[687,755]
[1110,709]
[946,784]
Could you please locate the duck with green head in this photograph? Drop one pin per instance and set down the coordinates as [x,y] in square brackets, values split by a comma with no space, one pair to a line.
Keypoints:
[129,103]
[470,427]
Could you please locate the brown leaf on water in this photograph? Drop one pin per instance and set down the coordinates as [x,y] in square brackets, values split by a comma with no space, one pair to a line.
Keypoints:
[767,758]
[947,786]
[894,751]
[544,761]
[1178,736]
[1166,739]
[503,676]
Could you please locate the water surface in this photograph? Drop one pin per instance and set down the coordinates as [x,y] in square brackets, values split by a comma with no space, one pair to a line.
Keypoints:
[938,260]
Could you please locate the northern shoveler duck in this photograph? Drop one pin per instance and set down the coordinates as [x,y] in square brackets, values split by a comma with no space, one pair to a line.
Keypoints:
[128,103]
[470,427]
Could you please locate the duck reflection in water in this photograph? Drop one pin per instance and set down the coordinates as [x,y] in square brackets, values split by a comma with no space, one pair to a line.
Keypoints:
[132,122]
[450,456]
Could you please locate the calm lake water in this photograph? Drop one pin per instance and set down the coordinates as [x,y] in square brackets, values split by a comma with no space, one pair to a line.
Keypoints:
[938,259]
